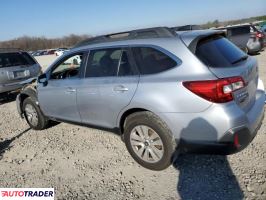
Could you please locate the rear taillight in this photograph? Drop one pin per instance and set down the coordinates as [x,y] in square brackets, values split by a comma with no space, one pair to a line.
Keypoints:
[217,91]
[259,35]
[236,141]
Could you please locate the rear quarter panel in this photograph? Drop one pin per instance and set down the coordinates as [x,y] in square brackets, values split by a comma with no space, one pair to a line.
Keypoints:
[164,92]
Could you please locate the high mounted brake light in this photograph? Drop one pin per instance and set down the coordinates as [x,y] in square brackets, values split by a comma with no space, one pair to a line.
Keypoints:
[217,91]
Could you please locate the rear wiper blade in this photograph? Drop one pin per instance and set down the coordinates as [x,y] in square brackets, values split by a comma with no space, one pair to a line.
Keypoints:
[240,59]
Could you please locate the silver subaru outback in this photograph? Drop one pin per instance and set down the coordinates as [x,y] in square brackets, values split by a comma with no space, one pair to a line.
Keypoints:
[165,92]
[16,66]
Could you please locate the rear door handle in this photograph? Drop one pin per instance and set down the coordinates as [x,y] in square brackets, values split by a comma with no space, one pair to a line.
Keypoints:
[120,88]
[70,90]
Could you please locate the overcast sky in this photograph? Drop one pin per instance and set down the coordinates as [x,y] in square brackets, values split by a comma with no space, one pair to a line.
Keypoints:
[56,18]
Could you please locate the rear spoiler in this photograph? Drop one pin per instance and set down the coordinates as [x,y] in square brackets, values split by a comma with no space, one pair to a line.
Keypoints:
[191,39]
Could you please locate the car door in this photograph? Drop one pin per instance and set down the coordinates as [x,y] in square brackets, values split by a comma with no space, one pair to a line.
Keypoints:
[57,98]
[110,82]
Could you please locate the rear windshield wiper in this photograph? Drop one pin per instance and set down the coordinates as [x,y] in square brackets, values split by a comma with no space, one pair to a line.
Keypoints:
[240,59]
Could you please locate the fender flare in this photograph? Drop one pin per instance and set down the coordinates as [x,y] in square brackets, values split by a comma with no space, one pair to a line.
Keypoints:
[28,91]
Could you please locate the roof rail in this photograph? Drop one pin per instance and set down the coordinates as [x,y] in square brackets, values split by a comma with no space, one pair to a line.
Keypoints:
[157,32]
[187,28]
[6,50]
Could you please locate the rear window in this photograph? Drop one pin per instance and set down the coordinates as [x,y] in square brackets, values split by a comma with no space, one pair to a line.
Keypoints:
[15,59]
[151,61]
[218,52]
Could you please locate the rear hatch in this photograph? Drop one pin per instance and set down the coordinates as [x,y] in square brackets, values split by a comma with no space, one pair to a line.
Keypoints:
[16,66]
[226,60]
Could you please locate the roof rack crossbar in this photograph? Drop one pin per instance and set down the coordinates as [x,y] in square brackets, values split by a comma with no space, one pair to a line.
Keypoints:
[158,32]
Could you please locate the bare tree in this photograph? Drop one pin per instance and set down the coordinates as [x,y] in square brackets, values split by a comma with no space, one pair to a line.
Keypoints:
[37,43]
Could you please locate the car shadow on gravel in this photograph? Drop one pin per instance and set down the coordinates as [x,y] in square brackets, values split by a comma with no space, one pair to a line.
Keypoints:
[207,177]
[7,98]
[6,144]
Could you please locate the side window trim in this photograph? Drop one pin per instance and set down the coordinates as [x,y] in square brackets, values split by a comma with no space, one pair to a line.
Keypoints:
[132,62]
[119,63]
[132,57]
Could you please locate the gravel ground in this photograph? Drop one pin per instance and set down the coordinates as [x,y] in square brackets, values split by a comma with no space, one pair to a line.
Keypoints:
[83,163]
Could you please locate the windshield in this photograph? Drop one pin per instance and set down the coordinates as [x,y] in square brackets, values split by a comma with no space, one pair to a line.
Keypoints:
[219,52]
[15,59]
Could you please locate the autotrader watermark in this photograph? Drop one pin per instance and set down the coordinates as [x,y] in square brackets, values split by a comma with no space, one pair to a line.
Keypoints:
[27,193]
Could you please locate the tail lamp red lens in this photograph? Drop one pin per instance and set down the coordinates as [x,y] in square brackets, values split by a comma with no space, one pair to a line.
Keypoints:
[217,91]
[236,141]
[259,35]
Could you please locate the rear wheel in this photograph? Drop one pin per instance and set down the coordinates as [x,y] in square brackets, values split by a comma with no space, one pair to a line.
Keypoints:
[149,140]
[33,115]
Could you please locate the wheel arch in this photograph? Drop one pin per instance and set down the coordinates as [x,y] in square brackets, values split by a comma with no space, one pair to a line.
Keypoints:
[128,112]
[25,93]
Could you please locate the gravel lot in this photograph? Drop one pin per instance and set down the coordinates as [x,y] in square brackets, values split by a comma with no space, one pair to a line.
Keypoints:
[83,163]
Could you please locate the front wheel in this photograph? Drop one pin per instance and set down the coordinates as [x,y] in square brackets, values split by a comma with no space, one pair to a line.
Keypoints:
[149,140]
[34,115]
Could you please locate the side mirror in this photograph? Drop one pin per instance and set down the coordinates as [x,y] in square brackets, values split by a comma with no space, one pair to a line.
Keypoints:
[43,79]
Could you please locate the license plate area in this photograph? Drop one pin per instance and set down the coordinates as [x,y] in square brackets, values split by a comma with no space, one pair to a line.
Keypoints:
[21,74]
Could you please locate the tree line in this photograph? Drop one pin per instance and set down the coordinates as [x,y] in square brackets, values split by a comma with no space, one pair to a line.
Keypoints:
[217,23]
[38,43]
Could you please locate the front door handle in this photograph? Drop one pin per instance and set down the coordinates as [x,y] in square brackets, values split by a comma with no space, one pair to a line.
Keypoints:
[120,88]
[70,90]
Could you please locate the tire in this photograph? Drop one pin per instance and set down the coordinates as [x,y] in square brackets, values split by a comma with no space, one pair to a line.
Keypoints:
[29,105]
[156,151]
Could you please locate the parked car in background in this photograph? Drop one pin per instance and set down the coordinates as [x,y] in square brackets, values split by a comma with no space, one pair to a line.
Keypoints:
[16,66]
[263,30]
[247,37]
[39,53]
[61,51]
[51,51]
[164,91]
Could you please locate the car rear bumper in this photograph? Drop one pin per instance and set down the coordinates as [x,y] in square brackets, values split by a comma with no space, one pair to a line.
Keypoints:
[221,129]
[16,85]
[233,141]
[10,87]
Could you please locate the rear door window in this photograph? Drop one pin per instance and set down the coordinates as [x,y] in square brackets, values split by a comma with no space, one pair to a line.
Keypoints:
[103,63]
[15,59]
[151,61]
[109,62]
[218,52]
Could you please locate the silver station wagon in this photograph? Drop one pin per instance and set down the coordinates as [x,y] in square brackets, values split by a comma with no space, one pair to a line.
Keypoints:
[165,92]
[16,66]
